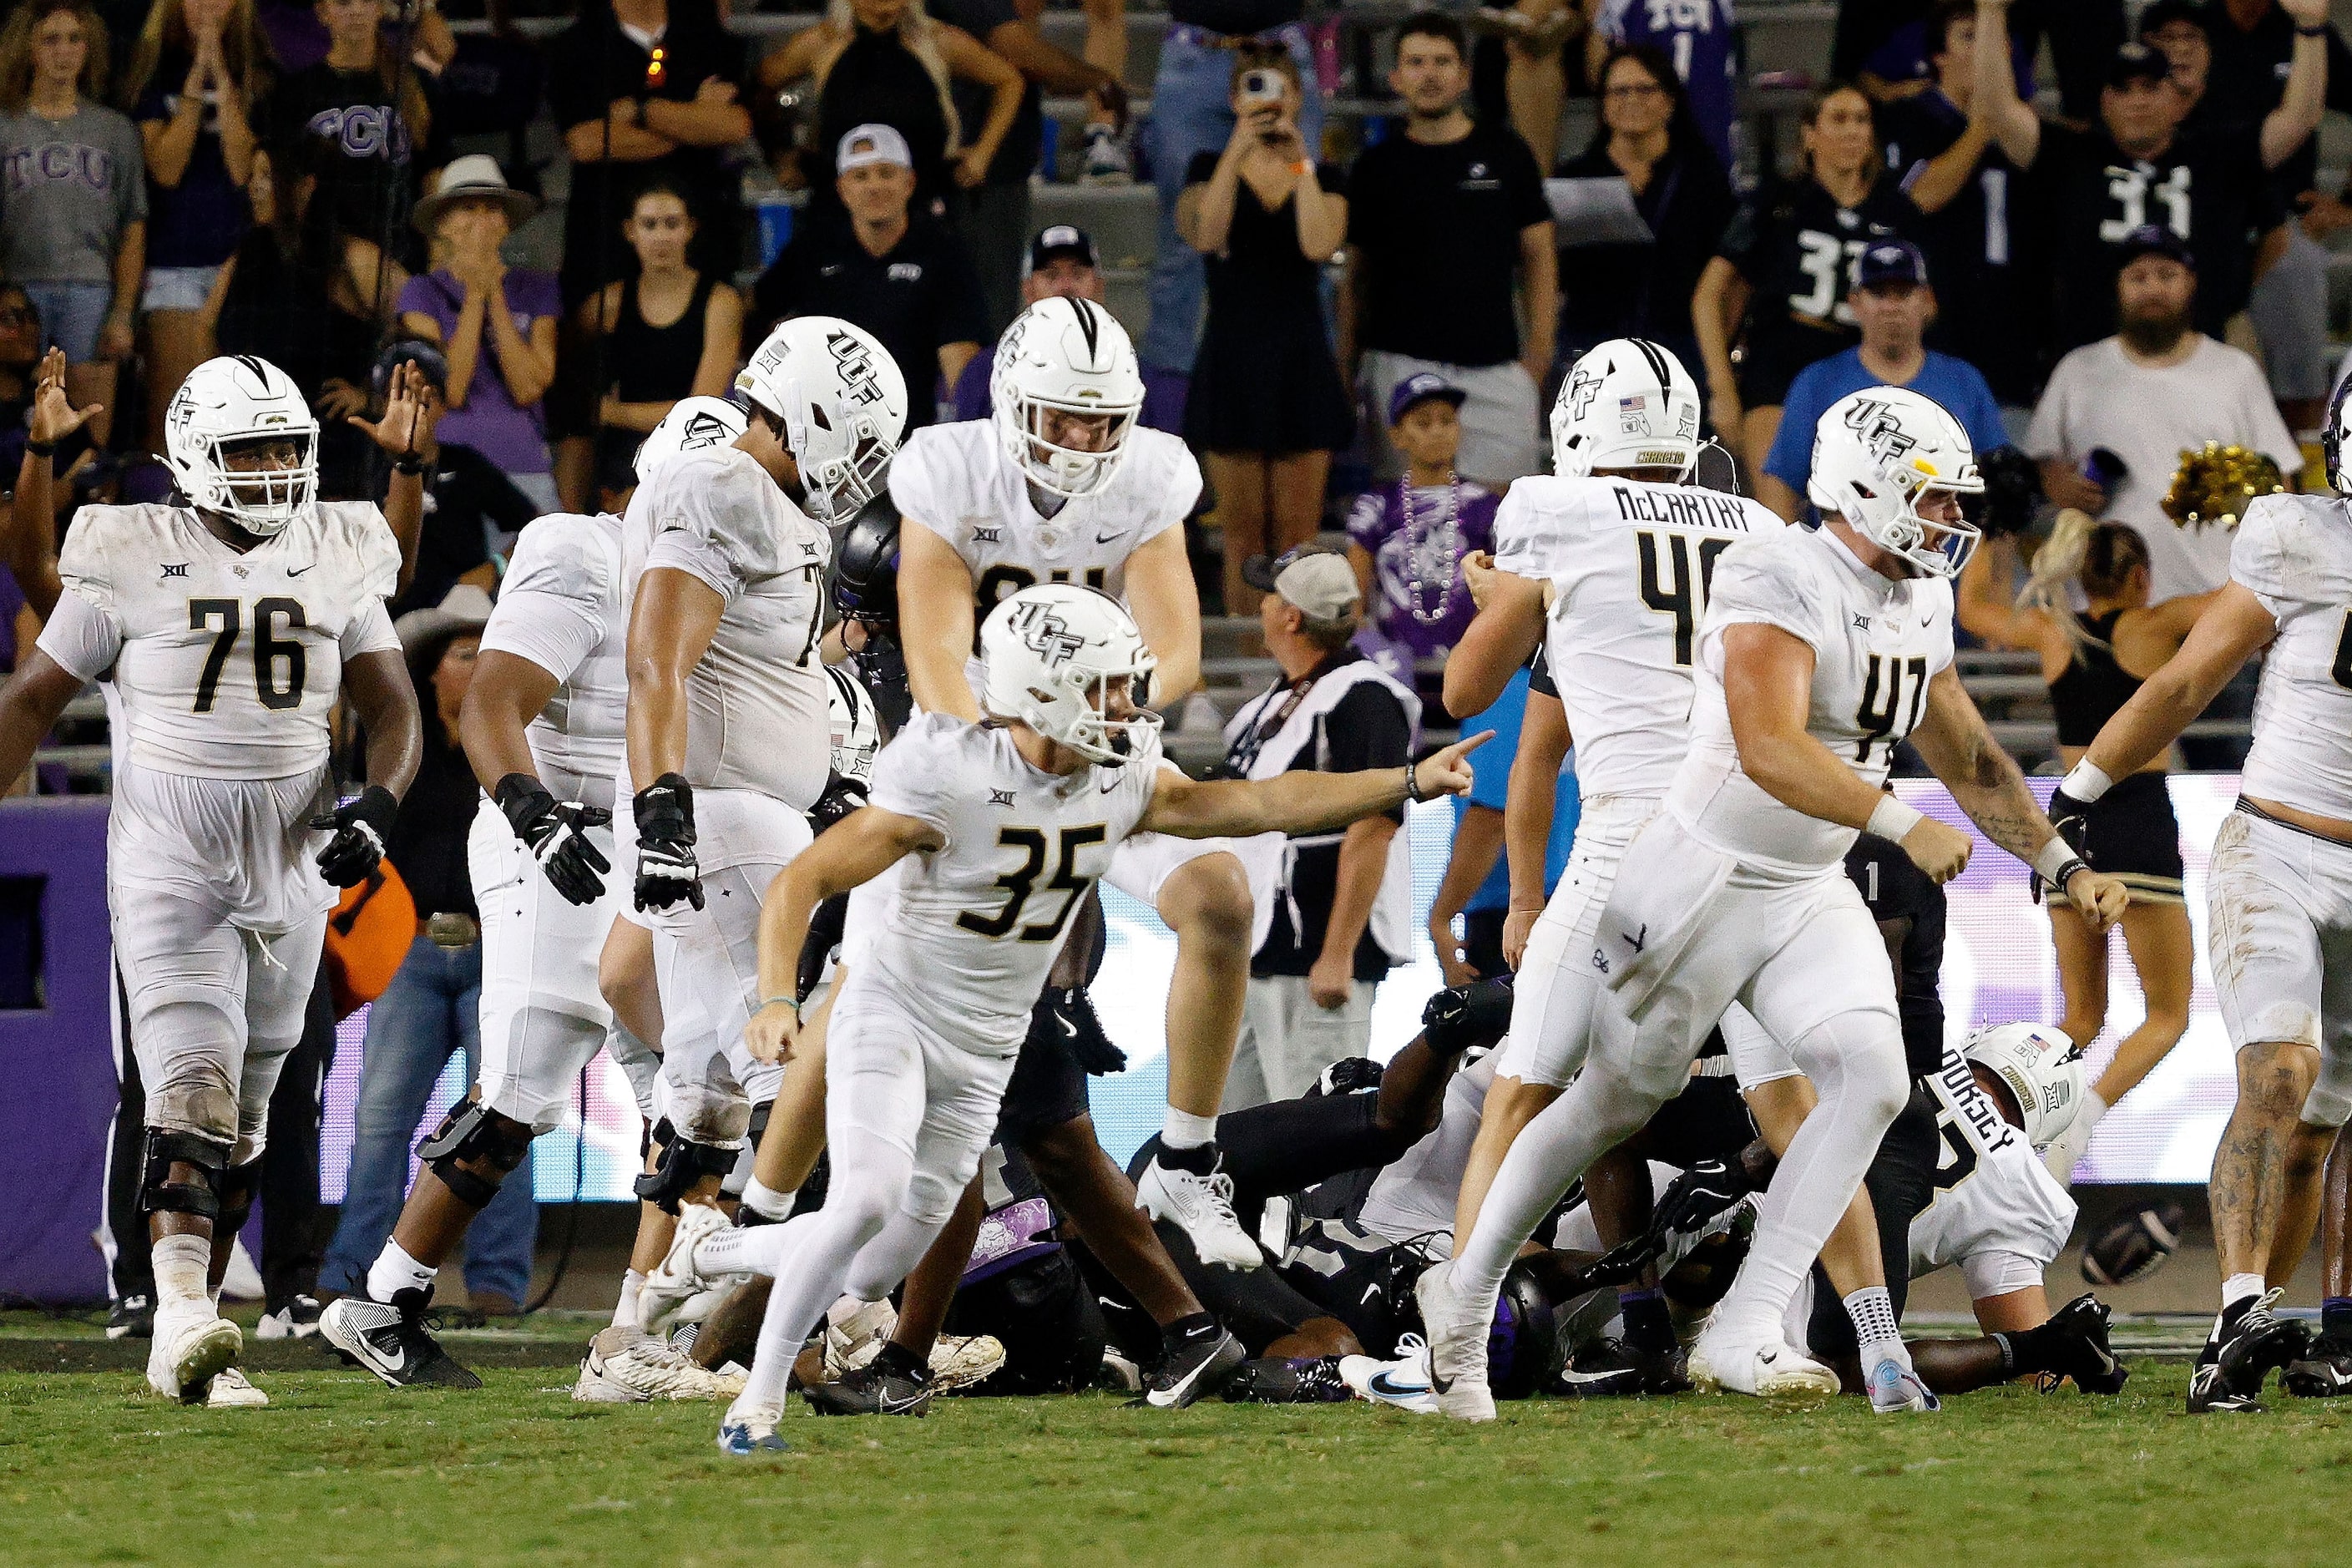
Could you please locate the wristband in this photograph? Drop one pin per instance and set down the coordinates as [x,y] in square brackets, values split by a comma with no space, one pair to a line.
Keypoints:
[409,464]
[1412,782]
[42,449]
[768,1002]
[2320,31]
[2086,781]
[2057,861]
[1892,820]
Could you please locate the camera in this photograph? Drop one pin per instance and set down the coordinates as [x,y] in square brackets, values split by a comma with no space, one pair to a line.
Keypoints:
[1261,87]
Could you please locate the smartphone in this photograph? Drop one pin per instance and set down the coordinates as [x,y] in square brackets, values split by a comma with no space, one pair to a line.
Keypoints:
[1261,87]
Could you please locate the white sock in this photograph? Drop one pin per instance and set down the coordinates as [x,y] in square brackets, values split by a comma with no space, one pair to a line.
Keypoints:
[625,1312]
[2236,1288]
[182,1264]
[766,1200]
[1873,1312]
[741,1249]
[394,1270]
[2066,1150]
[1182,1130]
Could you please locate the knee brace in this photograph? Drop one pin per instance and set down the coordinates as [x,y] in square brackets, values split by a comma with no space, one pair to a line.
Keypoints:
[158,1194]
[472,1130]
[238,1188]
[683,1162]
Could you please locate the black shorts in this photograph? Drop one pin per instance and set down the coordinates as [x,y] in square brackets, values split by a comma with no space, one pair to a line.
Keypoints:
[1048,1088]
[1707,1121]
[1482,941]
[2130,833]
[1901,1182]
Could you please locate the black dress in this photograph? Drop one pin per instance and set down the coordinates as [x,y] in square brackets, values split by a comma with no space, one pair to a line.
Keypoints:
[1265,379]
[647,364]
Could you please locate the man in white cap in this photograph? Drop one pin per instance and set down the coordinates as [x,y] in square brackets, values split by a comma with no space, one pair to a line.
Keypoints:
[901,276]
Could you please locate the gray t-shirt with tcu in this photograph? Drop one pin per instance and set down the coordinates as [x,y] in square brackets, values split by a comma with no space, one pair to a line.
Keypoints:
[68,190]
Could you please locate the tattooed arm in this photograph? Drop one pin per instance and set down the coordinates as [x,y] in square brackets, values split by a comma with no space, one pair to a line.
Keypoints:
[1984,780]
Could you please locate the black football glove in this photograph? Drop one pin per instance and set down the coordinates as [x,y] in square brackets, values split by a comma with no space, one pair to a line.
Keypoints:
[556,836]
[1069,1013]
[842,796]
[361,829]
[665,867]
[1477,1014]
[1695,1197]
[2072,818]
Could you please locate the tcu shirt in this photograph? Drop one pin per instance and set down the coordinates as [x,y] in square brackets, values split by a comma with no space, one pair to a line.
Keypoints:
[1877,642]
[225,665]
[756,714]
[561,608]
[959,481]
[2295,554]
[975,924]
[1629,565]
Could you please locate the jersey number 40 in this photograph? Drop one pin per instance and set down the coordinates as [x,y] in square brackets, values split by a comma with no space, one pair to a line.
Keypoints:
[1684,597]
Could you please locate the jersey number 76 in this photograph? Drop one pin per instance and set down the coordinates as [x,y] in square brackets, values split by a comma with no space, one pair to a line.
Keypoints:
[268,648]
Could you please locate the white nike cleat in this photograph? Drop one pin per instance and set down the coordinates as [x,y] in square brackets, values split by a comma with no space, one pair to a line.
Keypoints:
[1402,1384]
[748,1431]
[231,1391]
[854,1333]
[1457,1329]
[189,1352]
[674,1280]
[597,1385]
[957,1360]
[1202,1208]
[647,1368]
[1896,1388]
[1773,1370]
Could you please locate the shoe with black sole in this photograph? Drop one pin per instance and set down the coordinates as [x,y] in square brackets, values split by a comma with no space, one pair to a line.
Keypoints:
[1611,1369]
[2210,1394]
[2260,1342]
[131,1318]
[2074,1343]
[880,1388]
[1193,1371]
[1288,1380]
[389,1339]
[2324,1371]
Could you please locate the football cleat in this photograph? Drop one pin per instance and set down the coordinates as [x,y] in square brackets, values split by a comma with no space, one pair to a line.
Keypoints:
[1773,1370]
[1458,1329]
[2257,1342]
[594,1385]
[1402,1384]
[880,1388]
[2210,1394]
[646,1367]
[675,1281]
[1611,1369]
[389,1339]
[131,1318]
[749,1432]
[854,1332]
[1202,1208]
[189,1352]
[1896,1388]
[2133,1245]
[2324,1371]
[231,1391]
[1193,1371]
[2074,1344]
[298,1319]
[960,1361]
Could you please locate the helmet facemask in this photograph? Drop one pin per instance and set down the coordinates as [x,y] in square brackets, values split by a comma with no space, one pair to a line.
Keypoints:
[1889,517]
[842,467]
[1072,472]
[1081,719]
[259,500]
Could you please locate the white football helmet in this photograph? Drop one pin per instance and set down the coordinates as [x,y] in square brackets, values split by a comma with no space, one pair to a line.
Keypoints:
[1876,453]
[2042,1069]
[844,406]
[1626,404]
[1052,652]
[855,726]
[692,424]
[225,404]
[1071,356]
[2335,434]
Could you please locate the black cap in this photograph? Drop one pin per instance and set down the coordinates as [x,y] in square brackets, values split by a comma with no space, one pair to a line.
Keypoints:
[2137,62]
[1890,262]
[2160,12]
[2155,239]
[1057,241]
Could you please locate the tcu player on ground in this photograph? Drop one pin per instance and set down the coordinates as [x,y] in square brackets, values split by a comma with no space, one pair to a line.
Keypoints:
[725,552]
[2279,907]
[543,728]
[228,627]
[1009,822]
[1819,653]
[1062,485]
[1607,565]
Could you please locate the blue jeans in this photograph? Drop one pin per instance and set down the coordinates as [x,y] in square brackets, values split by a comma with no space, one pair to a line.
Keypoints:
[1192,113]
[430,1011]
[72,315]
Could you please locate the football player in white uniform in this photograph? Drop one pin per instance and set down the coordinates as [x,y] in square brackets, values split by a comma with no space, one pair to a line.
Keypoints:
[228,626]
[725,551]
[1062,485]
[1008,823]
[2279,899]
[1818,654]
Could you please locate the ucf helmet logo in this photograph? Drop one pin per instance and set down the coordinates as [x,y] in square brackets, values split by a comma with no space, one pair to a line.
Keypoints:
[703,430]
[1882,434]
[854,362]
[1582,388]
[1046,635]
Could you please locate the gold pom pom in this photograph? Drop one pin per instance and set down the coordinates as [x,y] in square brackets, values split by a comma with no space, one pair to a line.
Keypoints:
[2216,484]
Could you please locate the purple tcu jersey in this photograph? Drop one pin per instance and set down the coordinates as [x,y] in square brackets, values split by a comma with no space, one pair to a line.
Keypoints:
[1696,35]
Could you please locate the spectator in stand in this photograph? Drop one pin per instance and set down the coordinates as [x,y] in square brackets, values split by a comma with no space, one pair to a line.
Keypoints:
[1061,261]
[1192,113]
[1529,752]
[888,62]
[1647,139]
[1266,403]
[2126,408]
[494,324]
[1787,260]
[1410,542]
[365,106]
[903,277]
[1943,155]
[995,223]
[2236,63]
[1885,46]
[1698,39]
[1107,161]
[667,333]
[2138,166]
[195,83]
[474,508]
[1444,222]
[73,193]
[633,118]
[1893,304]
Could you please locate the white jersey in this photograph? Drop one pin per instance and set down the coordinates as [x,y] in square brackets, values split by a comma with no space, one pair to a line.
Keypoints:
[1877,642]
[2294,554]
[974,925]
[561,608]
[959,481]
[1629,564]
[1993,1194]
[225,665]
[1415,1193]
[756,705]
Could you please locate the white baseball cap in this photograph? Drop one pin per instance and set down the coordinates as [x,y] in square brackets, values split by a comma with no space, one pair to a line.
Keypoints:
[875,143]
[1315,577]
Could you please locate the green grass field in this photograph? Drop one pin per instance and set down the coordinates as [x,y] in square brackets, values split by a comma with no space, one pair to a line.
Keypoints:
[339,1470]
